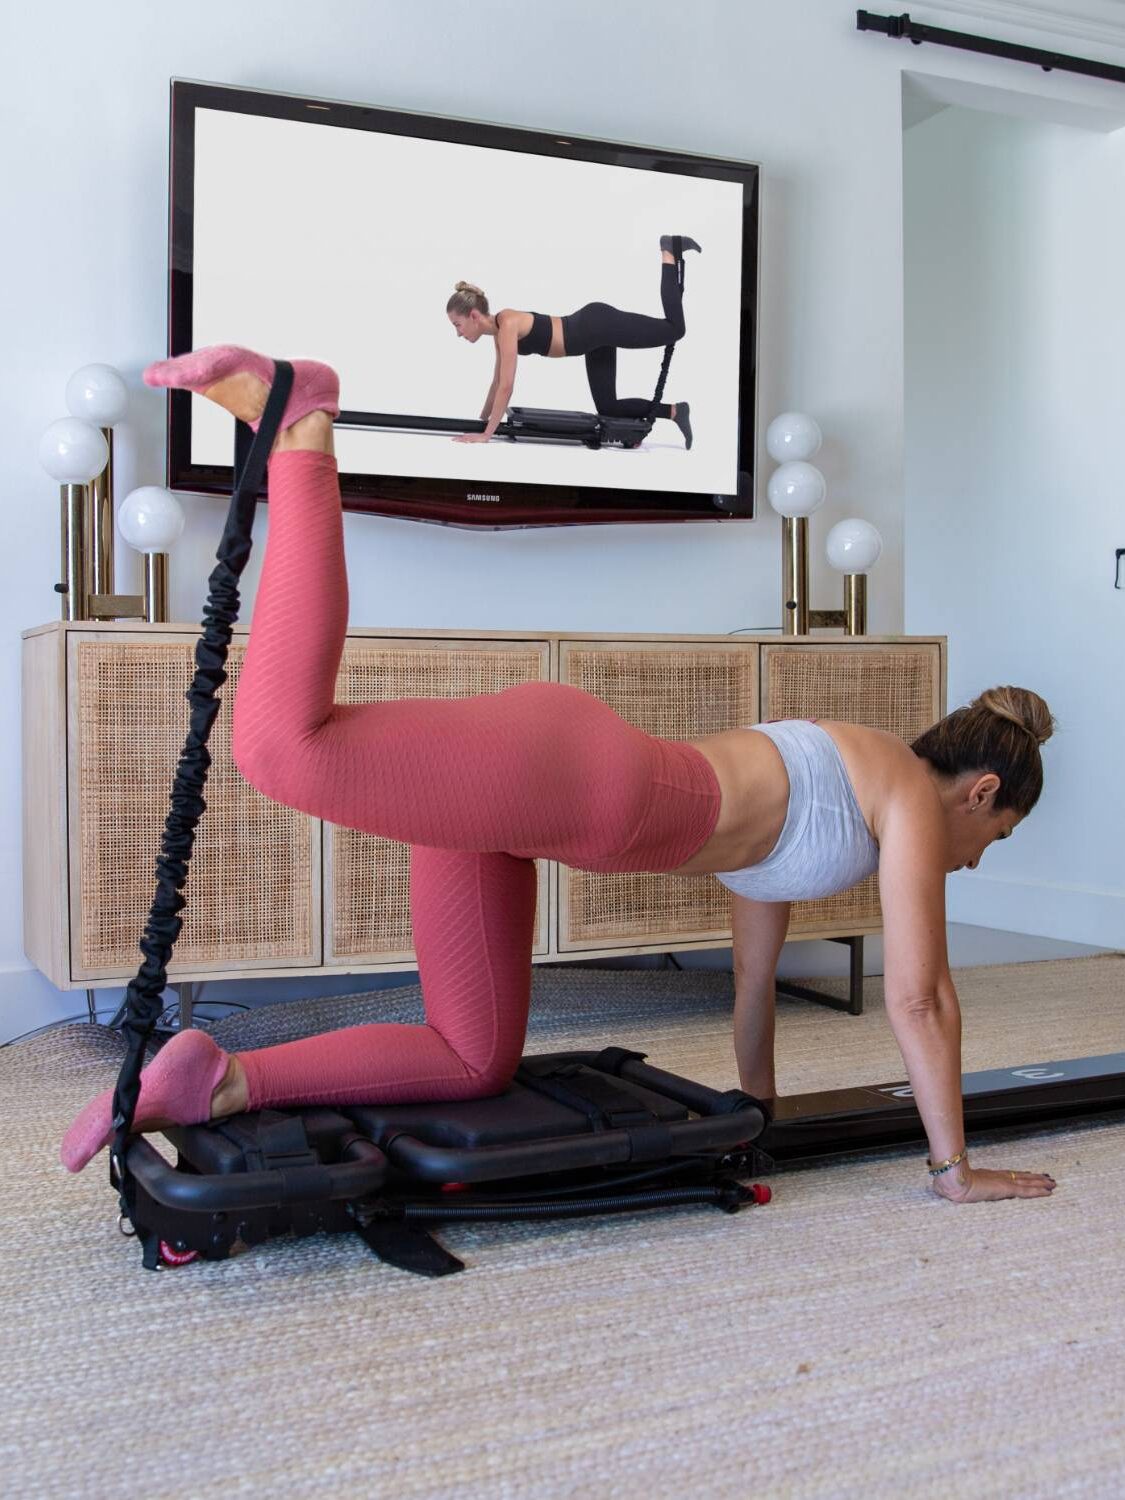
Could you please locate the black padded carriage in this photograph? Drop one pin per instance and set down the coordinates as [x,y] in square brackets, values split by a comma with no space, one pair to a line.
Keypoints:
[576,1134]
[546,425]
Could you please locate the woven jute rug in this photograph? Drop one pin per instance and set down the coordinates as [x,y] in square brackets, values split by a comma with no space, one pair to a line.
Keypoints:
[857,1337]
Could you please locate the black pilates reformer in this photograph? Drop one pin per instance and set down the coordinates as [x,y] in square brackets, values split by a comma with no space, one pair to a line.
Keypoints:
[576,1133]
[526,423]
[540,424]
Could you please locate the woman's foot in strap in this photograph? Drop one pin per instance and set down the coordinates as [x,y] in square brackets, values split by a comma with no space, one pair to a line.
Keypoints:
[239,380]
[183,1085]
[681,415]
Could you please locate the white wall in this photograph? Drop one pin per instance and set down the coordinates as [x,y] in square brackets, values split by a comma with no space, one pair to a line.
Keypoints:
[1015,389]
[83,130]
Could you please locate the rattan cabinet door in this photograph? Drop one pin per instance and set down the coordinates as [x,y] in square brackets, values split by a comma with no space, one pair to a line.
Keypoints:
[253,891]
[680,691]
[887,686]
[367,879]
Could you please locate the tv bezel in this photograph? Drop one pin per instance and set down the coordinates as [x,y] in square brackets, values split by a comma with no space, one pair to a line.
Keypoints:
[444,501]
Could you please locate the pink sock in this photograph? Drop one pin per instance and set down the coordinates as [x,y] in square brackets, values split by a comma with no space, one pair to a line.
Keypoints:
[176,1086]
[316,387]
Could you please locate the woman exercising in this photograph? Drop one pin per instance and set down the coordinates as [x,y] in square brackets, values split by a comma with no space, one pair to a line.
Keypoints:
[596,330]
[483,786]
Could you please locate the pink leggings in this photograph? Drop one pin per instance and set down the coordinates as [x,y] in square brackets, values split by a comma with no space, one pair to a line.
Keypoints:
[480,787]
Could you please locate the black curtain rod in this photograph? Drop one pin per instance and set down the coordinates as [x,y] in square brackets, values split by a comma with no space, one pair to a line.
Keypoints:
[903,26]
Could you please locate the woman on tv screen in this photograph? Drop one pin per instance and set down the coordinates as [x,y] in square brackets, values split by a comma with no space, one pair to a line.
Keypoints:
[597,330]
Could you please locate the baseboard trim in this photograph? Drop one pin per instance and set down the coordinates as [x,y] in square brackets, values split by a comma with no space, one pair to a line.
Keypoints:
[29,1001]
[1072,914]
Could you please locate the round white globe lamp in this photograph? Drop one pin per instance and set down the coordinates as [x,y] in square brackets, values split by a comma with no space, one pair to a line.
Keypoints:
[72,451]
[792,435]
[98,394]
[854,546]
[796,489]
[151,520]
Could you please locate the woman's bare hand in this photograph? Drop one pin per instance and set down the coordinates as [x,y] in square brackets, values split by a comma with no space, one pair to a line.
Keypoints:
[965,1184]
[471,437]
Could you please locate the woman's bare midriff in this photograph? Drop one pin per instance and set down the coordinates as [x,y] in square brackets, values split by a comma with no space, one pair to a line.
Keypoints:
[754,789]
[754,798]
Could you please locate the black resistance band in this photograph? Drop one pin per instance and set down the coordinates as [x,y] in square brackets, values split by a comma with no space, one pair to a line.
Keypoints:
[669,349]
[144,997]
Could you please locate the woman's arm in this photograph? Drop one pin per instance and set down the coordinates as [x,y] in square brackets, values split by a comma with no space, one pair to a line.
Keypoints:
[506,356]
[486,409]
[758,931]
[503,382]
[921,999]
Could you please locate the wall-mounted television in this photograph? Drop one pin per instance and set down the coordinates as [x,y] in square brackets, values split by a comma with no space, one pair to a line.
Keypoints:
[310,228]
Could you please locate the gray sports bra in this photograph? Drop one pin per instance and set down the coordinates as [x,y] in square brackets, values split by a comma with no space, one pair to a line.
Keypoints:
[824,846]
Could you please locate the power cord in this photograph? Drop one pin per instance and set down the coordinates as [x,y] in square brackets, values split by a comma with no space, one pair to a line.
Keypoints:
[164,1025]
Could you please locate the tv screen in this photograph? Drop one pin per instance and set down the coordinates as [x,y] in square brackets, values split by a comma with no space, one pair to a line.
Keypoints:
[315,229]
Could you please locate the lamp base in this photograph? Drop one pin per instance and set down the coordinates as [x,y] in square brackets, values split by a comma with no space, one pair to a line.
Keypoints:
[855,603]
[116,607]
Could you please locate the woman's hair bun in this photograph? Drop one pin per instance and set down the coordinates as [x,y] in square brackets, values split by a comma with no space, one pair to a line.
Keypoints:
[1022,707]
[466,299]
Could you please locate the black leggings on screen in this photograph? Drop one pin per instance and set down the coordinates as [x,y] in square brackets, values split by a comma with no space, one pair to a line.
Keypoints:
[599,330]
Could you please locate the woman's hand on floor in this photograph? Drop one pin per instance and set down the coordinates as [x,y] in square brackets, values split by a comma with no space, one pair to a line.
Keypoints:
[977,1185]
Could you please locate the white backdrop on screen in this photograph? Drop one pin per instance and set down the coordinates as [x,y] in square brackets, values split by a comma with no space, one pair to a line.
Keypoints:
[357,268]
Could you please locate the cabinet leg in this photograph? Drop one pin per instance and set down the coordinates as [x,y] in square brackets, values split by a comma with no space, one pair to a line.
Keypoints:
[853,1005]
[188,992]
[855,976]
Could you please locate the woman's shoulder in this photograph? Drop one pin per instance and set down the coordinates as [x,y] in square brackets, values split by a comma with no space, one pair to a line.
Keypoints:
[871,744]
[884,771]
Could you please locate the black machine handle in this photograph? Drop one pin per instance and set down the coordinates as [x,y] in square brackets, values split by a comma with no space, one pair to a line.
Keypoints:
[235,1192]
[144,997]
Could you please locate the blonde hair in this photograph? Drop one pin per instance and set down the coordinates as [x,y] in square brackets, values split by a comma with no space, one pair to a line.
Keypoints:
[1001,731]
[467,298]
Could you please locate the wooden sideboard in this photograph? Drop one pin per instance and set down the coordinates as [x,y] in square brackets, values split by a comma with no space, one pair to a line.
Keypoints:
[273,892]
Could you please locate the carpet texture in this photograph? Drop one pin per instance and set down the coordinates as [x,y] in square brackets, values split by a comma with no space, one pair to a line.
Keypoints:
[856,1338]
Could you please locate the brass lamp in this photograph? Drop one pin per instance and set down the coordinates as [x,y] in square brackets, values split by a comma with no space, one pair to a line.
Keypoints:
[151,519]
[796,489]
[853,547]
[73,452]
[78,451]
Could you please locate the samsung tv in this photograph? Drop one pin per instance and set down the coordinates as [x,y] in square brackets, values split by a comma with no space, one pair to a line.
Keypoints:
[310,228]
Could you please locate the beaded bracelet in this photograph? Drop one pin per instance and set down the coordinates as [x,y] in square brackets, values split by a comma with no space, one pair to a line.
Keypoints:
[945,1165]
